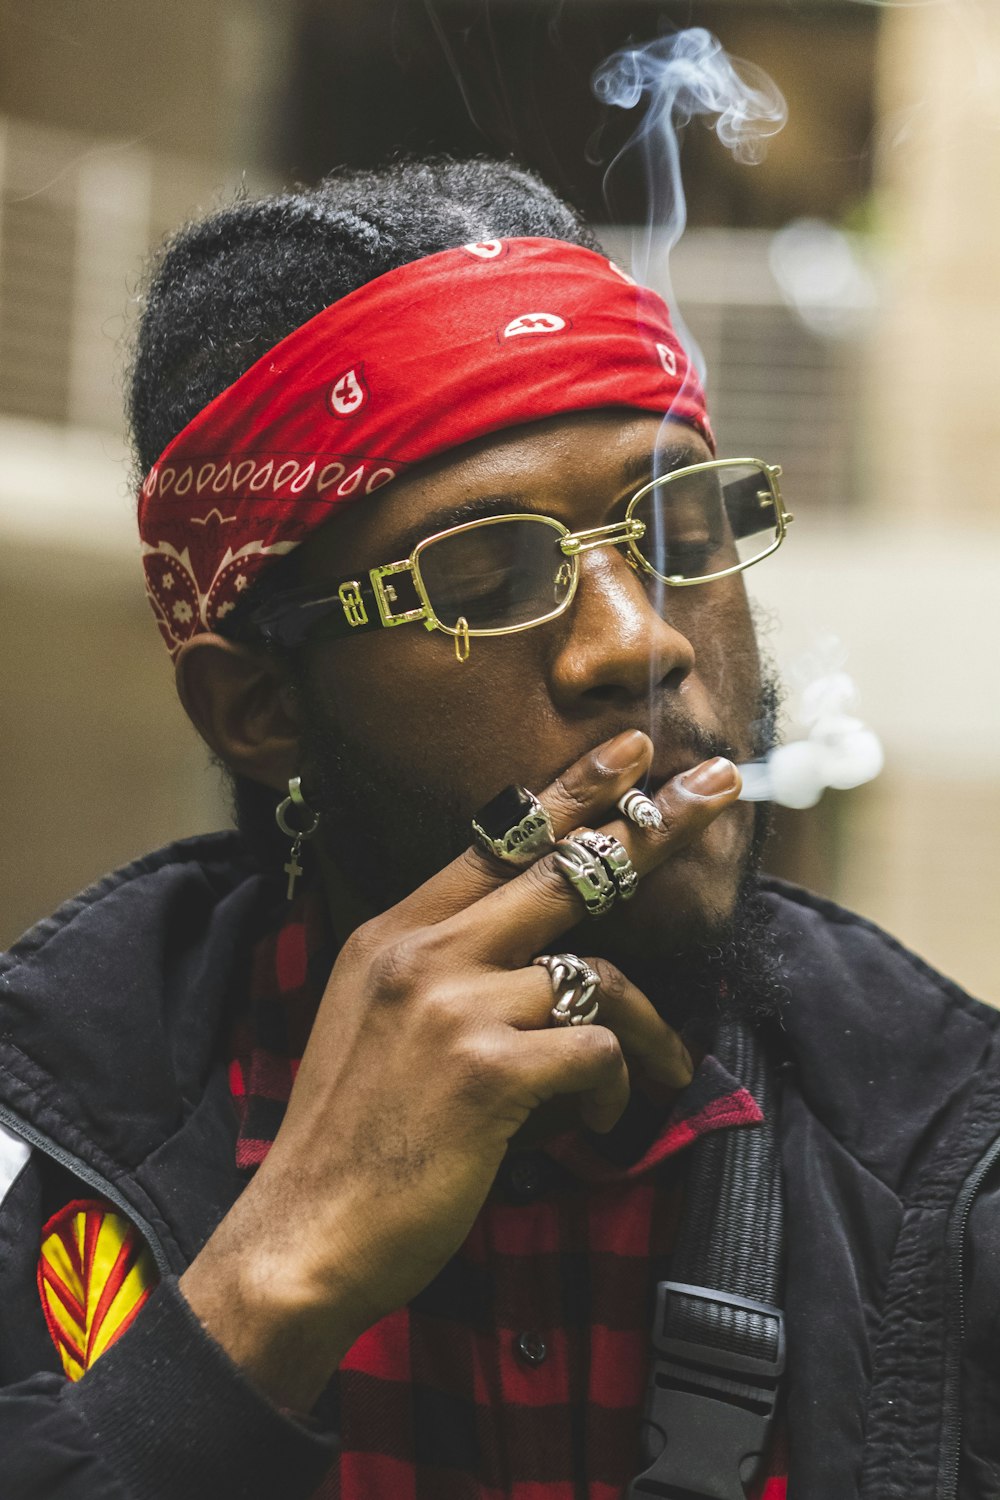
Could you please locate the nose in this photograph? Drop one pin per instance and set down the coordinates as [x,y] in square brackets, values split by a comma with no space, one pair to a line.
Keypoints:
[617,647]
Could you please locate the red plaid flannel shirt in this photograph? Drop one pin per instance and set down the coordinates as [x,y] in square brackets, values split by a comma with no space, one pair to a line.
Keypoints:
[519,1372]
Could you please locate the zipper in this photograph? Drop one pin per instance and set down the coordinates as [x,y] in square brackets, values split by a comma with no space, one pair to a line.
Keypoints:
[951,1442]
[93,1179]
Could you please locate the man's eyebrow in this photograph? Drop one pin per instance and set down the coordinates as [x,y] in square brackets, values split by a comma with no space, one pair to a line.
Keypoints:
[456,515]
[636,470]
[644,466]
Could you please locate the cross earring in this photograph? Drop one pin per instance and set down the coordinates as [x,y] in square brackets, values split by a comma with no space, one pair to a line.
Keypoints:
[298,836]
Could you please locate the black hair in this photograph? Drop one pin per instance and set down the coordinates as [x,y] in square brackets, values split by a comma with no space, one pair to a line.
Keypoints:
[224,290]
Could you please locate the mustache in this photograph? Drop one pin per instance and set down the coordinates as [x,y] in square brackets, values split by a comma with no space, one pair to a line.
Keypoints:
[678,739]
[685,744]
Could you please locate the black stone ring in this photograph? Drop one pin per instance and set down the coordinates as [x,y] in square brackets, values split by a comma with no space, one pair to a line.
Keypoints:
[514,827]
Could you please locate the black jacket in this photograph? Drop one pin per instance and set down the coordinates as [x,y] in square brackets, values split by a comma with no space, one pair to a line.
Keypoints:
[114,1014]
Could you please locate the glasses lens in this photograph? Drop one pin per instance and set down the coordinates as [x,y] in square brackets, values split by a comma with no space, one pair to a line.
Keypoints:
[496,574]
[718,517]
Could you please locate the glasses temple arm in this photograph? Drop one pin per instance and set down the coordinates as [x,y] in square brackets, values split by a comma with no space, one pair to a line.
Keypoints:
[353,605]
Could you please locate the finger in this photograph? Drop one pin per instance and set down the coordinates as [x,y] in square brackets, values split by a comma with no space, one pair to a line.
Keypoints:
[583,1060]
[584,793]
[643,1035]
[524,916]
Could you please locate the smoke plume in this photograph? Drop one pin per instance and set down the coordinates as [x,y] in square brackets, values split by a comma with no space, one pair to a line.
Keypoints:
[682,76]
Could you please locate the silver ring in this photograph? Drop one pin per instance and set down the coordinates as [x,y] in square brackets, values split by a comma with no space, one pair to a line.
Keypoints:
[573,983]
[640,809]
[587,873]
[614,856]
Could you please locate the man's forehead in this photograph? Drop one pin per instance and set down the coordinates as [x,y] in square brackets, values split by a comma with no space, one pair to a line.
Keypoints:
[547,464]
[608,437]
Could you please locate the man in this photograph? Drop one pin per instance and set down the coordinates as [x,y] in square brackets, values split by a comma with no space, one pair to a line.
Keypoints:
[305,1189]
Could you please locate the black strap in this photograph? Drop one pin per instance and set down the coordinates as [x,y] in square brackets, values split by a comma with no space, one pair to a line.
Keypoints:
[346,606]
[718,1328]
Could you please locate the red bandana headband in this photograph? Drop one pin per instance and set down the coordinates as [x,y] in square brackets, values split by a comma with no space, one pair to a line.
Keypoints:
[429,356]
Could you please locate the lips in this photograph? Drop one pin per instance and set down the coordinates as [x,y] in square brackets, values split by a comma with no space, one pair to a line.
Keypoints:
[689,745]
[672,756]
[660,772]
[670,763]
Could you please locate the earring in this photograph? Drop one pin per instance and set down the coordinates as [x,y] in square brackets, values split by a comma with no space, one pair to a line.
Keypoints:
[298,836]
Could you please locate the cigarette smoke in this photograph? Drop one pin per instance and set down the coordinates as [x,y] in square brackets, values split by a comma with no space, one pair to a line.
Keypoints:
[839,750]
[681,76]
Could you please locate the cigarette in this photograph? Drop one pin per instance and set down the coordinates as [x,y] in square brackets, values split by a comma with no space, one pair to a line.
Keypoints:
[640,810]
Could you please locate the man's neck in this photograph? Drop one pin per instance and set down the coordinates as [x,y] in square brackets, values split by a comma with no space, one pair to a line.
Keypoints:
[346,907]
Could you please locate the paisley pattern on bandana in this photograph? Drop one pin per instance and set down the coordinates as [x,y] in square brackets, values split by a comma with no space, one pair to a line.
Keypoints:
[427,357]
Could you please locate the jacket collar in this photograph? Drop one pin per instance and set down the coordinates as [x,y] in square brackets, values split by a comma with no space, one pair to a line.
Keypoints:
[885,1050]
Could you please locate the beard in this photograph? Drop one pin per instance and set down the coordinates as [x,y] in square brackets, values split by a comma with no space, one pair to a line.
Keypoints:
[386,831]
[729,973]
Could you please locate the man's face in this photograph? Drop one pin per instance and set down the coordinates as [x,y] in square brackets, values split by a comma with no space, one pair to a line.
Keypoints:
[403,743]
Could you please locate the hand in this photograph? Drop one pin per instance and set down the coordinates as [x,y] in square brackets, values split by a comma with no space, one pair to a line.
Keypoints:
[431,1048]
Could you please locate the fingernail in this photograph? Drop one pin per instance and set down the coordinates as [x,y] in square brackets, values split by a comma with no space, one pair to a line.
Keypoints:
[710,778]
[623,751]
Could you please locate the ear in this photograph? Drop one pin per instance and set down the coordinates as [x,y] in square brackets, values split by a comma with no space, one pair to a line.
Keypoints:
[244,707]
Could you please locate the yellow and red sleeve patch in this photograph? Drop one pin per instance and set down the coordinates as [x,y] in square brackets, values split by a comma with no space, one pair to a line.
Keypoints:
[94,1275]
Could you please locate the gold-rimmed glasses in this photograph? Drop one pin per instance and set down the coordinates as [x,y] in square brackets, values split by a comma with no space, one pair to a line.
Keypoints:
[504,573]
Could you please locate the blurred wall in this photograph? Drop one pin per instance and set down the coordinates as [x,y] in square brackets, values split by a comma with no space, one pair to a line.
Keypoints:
[99,763]
[119,119]
[203,79]
[925,843]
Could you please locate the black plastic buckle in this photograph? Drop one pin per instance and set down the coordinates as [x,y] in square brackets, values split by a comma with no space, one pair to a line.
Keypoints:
[708,1410]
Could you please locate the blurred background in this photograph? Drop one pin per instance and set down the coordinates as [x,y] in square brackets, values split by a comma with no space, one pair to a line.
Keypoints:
[845,292]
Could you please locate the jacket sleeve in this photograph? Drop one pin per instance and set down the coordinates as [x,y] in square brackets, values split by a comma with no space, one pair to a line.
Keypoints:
[164,1414]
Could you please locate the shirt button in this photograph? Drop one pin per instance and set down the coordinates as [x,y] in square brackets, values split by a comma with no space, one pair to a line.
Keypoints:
[530,1347]
[525,1177]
